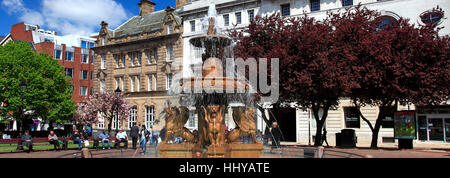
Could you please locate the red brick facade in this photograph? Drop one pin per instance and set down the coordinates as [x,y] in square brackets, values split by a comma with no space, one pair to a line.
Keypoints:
[18,33]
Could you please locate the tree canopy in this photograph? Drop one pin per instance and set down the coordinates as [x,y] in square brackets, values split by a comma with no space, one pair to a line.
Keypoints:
[48,91]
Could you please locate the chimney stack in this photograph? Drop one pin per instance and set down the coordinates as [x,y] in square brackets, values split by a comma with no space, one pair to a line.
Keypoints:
[180,3]
[146,7]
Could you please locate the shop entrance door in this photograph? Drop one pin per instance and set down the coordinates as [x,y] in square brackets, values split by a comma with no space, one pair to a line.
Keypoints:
[435,129]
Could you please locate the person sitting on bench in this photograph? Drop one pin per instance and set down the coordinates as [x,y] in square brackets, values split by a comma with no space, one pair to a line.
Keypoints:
[27,141]
[77,139]
[122,137]
[105,138]
[53,139]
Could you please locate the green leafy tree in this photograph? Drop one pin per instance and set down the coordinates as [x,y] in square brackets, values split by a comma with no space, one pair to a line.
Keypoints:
[47,94]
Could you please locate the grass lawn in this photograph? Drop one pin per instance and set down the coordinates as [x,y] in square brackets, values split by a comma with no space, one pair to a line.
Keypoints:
[38,146]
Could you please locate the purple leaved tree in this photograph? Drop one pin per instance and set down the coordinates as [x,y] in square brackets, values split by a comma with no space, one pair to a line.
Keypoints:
[102,105]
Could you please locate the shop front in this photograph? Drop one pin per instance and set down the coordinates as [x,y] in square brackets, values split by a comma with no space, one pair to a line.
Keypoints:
[434,124]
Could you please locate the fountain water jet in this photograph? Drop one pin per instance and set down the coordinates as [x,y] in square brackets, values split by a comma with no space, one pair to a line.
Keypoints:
[210,103]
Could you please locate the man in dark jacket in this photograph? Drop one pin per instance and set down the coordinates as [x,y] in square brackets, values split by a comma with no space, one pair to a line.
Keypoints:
[276,136]
[134,133]
[27,141]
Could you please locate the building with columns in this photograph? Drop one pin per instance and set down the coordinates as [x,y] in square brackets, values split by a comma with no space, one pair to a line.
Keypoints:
[139,58]
[298,126]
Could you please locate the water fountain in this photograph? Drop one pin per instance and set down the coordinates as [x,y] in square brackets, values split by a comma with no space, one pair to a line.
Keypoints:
[210,104]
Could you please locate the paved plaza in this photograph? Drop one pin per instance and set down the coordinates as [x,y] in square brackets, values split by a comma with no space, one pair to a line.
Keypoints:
[286,152]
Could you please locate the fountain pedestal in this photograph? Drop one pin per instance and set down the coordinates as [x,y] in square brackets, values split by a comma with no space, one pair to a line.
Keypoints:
[239,150]
[183,150]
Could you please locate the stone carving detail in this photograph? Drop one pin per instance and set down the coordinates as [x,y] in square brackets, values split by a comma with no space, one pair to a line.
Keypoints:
[175,121]
[244,118]
[215,124]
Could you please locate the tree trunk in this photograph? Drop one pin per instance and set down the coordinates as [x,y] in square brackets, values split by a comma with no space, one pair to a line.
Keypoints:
[320,123]
[109,125]
[263,113]
[376,129]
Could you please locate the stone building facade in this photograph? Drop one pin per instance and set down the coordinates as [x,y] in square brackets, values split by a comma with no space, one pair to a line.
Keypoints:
[139,58]
[298,126]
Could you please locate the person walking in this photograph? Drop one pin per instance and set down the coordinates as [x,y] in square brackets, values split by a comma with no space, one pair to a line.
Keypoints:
[276,136]
[144,134]
[324,137]
[53,139]
[27,141]
[134,133]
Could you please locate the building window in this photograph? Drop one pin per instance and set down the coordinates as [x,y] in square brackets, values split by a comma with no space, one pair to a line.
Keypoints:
[138,79]
[133,115]
[431,17]
[149,116]
[92,57]
[69,56]
[238,17]
[86,44]
[92,75]
[192,25]
[101,122]
[149,82]
[83,91]
[123,60]
[133,81]
[103,63]
[132,56]
[352,118]
[150,56]
[139,57]
[58,54]
[68,72]
[226,20]
[155,82]
[386,22]
[85,58]
[92,91]
[116,121]
[102,85]
[103,41]
[315,5]
[169,53]
[117,59]
[122,79]
[84,75]
[286,10]
[169,28]
[388,120]
[347,2]
[117,82]
[168,81]
[251,15]
[191,121]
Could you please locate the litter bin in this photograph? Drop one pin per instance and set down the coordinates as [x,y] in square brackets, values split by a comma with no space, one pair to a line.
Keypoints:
[348,138]
[338,139]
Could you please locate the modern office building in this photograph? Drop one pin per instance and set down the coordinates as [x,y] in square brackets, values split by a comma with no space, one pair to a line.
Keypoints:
[72,51]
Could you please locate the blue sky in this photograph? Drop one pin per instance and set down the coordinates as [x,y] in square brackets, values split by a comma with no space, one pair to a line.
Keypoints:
[70,16]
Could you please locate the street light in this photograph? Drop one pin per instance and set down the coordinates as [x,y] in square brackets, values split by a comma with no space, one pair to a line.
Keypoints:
[117,91]
[22,86]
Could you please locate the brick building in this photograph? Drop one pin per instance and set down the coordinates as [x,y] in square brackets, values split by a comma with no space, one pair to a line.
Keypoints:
[137,57]
[71,51]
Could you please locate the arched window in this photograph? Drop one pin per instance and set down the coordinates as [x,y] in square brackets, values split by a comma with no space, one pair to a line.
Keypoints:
[431,17]
[386,22]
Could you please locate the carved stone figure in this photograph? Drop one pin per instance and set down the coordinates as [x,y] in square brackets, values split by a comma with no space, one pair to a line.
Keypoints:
[211,27]
[175,121]
[244,118]
[215,123]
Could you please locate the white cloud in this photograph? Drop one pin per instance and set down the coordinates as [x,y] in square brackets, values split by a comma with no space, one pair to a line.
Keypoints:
[81,17]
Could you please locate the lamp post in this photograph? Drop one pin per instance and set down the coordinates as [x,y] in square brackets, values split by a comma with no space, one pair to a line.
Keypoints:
[22,86]
[117,92]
